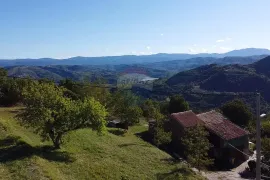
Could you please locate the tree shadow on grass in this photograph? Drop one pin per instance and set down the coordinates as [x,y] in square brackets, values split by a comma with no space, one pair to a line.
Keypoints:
[172,161]
[145,135]
[133,144]
[175,174]
[12,148]
[117,132]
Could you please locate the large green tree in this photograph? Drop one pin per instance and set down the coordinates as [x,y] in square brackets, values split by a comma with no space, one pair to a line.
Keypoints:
[237,112]
[11,90]
[150,109]
[162,136]
[125,106]
[53,115]
[177,104]
[81,90]
[196,147]
[3,72]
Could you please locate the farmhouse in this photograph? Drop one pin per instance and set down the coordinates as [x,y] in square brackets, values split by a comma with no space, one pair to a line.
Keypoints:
[228,139]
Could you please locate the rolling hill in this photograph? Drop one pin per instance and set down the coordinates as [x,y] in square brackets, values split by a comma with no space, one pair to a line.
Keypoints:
[210,86]
[111,72]
[128,59]
[228,78]
[57,73]
[78,73]
[182,65]
[84,155]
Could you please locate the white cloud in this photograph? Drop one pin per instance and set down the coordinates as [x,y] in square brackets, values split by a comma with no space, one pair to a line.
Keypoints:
[161,34]
[195,45]
[204,50]
[220,40]
[223,40]
[148,47]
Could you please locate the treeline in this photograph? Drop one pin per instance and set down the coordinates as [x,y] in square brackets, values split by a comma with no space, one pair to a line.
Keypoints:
[53,110]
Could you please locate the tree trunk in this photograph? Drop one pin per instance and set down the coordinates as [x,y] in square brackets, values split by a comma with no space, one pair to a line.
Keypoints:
[57,141]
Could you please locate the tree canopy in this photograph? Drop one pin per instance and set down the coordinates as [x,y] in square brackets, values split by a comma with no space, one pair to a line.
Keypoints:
[197,146]
[125,106]
[177,104]
[53,115]
[3,72]
[150,109]
[237,112]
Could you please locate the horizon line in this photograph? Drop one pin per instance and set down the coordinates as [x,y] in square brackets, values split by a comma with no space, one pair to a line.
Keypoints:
[55,58]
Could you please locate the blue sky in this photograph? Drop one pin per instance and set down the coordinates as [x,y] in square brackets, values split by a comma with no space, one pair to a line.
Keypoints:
[66,28]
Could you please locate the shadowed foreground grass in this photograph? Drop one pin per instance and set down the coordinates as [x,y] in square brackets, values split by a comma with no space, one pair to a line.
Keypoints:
[84,155]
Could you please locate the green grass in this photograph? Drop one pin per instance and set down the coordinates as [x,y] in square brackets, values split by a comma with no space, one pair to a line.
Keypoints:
[84,155]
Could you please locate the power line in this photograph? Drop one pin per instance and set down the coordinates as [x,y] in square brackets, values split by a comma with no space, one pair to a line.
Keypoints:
[265,176]
[239,150]
[246,154]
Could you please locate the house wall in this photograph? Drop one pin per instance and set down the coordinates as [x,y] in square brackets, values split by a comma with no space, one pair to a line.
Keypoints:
[242,145]
[227,154]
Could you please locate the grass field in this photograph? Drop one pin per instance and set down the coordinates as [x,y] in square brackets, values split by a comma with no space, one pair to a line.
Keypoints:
[84,155]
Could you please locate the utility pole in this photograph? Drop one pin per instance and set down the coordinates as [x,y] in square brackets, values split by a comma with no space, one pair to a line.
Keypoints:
[258,139]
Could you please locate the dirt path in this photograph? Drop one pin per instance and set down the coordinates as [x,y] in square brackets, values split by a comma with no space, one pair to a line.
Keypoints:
[229,175]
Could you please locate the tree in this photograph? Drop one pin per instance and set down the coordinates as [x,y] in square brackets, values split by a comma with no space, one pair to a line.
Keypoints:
[164,107]
[3,72]
[85,89]
[132,115]
[266,128]
[124,105]
[52,115]
[196,147]
[177,104]
[150,109]
[11,90]
[162,136]
[237,112]
[266,149]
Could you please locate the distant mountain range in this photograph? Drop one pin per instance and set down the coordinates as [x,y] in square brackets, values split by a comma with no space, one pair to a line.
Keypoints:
[175,66]
[163,69]
[79,72]
[129,59]
[210,86]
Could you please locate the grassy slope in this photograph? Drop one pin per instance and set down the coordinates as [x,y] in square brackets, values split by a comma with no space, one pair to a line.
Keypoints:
[84,155]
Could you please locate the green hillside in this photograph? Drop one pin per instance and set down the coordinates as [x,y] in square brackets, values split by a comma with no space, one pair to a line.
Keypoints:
[84,156]
[210,86]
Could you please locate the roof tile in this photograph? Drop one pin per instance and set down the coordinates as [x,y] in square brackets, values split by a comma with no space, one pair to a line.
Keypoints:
[221,126]
[186,118]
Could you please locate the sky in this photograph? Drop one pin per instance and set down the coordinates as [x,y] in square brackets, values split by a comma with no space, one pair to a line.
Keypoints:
[68,28]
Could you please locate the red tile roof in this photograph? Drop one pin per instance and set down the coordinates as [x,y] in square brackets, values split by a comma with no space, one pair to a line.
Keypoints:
[221,126]
[186,118]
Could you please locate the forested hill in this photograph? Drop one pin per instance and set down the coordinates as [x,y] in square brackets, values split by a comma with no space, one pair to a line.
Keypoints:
[110,72]
[228,78]
[130,59]
[182,65]
[212,85]
[79,73]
